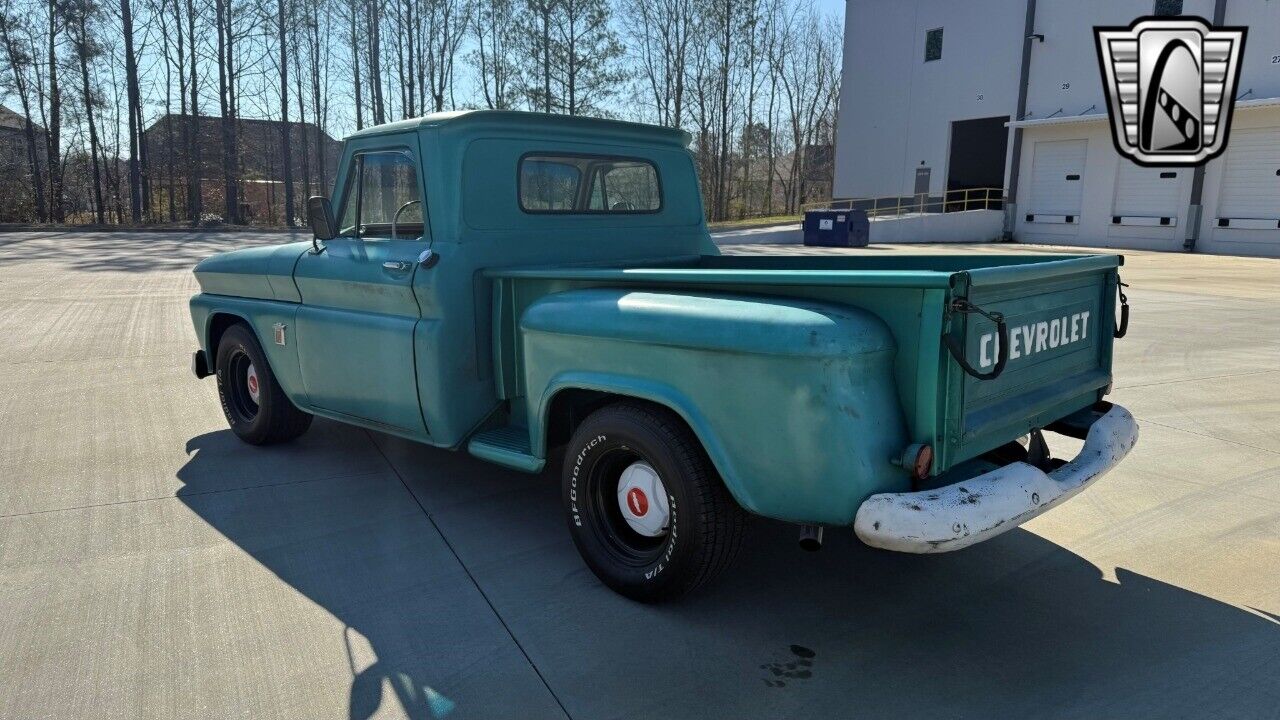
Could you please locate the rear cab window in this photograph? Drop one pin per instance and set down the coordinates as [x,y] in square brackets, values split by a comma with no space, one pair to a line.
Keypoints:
[558,183]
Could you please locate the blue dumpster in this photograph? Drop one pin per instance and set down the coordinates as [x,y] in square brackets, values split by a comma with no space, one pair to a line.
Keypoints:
[836,228]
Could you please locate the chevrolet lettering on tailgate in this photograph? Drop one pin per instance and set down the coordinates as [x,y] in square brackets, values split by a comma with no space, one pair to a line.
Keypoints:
[1026,340]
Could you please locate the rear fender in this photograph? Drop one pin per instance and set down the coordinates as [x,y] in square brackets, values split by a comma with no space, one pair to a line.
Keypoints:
[636,388]
[794,402]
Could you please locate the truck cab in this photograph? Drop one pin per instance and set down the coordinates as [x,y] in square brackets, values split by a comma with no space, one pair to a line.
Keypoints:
[531,287]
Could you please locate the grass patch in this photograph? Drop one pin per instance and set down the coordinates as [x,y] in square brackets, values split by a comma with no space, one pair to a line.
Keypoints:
[754,222]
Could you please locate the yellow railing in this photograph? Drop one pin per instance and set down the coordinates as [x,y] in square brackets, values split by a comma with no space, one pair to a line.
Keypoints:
[891,206]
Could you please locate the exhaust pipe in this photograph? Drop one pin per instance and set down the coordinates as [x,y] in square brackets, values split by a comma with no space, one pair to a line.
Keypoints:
[811,537]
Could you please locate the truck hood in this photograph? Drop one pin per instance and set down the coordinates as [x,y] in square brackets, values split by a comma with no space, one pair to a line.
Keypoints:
[264,272]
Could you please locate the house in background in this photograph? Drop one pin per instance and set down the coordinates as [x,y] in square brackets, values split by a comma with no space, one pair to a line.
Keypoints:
[261,169]
[940,96]
[16,202]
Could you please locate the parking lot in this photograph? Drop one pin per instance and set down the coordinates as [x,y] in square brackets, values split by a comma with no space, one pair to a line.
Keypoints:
[153,566]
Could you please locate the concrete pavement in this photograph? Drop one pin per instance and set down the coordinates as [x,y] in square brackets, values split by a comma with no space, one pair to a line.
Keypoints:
[153,566]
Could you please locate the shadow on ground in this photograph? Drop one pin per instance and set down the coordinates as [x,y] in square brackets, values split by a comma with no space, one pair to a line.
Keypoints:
[124,251]
[1016,627]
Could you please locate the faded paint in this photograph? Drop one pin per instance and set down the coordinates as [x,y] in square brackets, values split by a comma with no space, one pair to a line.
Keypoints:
[977,509]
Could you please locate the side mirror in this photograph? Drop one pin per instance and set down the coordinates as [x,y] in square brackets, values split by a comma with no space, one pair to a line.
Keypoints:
[320,216]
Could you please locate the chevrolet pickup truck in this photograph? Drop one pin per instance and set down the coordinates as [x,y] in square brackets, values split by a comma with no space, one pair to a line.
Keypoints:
[533,288]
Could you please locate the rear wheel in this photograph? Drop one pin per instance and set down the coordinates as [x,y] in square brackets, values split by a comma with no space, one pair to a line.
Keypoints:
[256,407]
[645,506]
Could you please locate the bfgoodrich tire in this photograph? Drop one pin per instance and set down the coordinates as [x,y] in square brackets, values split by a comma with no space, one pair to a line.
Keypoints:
[646,508]
[256,407]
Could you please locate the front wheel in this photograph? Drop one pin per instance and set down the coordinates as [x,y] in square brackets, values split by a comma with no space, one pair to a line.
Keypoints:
[256,408]
[645,506]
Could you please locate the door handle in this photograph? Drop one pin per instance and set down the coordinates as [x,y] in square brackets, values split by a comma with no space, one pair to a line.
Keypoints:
[397,265]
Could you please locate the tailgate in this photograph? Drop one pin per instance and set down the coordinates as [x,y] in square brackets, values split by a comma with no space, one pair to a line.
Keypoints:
[1060,319]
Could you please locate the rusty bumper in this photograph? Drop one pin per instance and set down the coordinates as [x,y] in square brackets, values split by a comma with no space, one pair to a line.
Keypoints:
[977,509]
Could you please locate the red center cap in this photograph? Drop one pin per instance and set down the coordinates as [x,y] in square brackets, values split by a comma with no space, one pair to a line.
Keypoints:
[637,502]
[253,384]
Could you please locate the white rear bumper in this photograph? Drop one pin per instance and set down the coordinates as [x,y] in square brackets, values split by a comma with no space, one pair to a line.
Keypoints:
[977,509]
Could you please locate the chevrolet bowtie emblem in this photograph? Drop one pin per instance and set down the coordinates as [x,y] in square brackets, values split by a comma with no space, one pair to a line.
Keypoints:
[1170,86]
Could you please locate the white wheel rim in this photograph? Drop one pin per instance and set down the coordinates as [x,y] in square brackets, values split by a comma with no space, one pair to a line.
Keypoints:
[642,499]
[251,379]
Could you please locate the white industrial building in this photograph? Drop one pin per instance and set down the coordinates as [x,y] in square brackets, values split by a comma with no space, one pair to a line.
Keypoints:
[942,95]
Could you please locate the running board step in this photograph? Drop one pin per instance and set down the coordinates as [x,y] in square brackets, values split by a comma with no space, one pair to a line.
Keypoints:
[506,446]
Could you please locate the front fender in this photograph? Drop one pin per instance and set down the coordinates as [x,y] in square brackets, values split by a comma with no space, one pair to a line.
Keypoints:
[794,401]
[261,316]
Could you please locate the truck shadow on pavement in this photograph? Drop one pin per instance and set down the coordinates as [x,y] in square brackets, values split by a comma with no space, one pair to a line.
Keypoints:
[1015,627]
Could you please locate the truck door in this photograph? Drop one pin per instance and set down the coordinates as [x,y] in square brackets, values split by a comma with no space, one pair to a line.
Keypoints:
[356,324]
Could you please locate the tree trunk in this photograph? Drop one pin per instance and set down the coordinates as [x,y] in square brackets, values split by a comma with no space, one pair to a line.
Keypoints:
[314,43]
[223,21]
[83,52]
[355,61]
[373,43]
[135,112]
[53,136]
[170,166]
[722,162]
[302,120]
[546,57]
[286,155]
[190,130]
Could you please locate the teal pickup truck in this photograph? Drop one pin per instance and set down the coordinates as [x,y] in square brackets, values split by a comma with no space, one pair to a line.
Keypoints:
[533,288]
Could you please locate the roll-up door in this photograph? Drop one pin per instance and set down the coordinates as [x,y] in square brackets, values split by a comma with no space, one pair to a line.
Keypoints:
[1250,193]
[1057,181]
[1147,196]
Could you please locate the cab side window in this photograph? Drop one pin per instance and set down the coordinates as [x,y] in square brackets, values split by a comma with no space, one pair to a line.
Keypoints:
[382,187]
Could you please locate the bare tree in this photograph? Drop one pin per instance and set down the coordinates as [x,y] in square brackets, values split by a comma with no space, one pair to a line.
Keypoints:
[190,140]
[809,89]
[304,153]
[19,60]
[353,9]
[79,15]
[135,113]
[536,39]
[577,53]
[754,21]
[172,40]
[286,153]
[660,33]
[53,125]
[227,105]
[588,50]
[496,36]
[373,45]
[318,26]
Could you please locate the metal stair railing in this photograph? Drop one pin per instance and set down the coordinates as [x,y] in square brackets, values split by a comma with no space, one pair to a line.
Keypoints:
[989,198]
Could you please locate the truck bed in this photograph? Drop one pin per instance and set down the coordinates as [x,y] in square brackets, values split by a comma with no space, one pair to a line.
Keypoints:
[1059,309]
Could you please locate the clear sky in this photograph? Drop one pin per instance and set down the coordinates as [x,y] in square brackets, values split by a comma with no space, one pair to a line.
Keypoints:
[832,6]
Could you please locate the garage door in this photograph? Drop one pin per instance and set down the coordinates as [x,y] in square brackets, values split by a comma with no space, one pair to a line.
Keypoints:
[1147,196]
[1057,171]
[1251,178]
